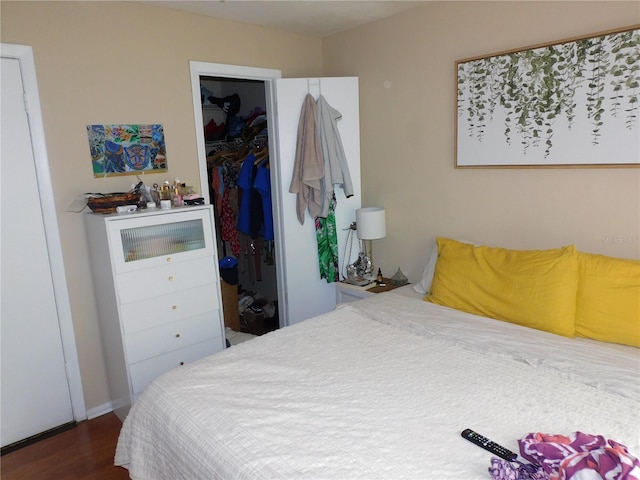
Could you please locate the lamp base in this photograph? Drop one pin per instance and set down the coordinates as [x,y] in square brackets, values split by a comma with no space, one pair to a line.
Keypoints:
[360,272]
[364,266]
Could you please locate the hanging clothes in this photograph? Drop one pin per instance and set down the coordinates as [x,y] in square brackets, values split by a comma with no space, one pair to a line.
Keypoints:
[217,188]
[262,184]
[229,210]
[250,216]
[327,238]
[308,166]
[336,168]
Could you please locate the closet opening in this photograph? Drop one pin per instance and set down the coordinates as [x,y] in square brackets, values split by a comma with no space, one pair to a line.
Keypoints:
[236,139]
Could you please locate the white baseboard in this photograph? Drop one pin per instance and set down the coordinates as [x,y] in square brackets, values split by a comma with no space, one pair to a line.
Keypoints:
[99,410]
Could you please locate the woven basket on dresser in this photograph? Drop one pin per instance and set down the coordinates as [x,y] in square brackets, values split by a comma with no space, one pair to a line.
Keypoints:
[108,203]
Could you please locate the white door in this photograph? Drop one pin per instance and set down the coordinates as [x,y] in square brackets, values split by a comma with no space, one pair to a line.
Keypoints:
[35,391]
[306,294]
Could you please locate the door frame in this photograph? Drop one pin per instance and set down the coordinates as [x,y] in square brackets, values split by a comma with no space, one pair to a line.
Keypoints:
[206,69]
[269,77]
[24,54]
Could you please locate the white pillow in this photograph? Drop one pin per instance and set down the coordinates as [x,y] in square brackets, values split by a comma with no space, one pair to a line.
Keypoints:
[427,276]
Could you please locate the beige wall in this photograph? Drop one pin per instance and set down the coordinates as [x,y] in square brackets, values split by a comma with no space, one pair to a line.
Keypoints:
[105,62]
[109,62]
[407,134]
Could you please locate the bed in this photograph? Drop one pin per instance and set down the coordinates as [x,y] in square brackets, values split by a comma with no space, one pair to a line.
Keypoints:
[380,388]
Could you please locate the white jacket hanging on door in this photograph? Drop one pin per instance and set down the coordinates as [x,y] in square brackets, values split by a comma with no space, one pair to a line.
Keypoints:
[336,169]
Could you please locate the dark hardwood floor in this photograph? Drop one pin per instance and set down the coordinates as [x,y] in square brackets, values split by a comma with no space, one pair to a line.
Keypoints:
[81,453]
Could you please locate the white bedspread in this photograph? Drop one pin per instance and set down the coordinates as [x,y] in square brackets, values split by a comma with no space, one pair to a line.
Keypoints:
[378,389]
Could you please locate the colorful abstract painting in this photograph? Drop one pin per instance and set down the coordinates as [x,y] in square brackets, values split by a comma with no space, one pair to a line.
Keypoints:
[127,149]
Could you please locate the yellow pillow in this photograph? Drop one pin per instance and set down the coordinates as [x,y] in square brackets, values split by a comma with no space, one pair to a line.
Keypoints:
[534,288]
[608,306]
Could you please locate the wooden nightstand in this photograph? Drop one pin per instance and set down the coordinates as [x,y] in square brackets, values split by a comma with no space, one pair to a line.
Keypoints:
[349,293]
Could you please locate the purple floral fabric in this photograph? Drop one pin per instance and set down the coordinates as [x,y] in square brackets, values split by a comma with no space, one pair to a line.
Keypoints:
[579,456]
[565,457]
[504,470]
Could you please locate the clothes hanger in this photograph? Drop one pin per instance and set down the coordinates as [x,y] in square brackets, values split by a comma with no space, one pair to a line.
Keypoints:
[220,157]
[260,153]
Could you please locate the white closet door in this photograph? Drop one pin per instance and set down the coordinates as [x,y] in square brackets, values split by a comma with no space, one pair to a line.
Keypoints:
[306,294]
[35,391]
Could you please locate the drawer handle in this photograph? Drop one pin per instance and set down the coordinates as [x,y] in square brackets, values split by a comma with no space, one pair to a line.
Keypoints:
[181,363]
[169,259]
[177,335]
[175,307]
[171,278]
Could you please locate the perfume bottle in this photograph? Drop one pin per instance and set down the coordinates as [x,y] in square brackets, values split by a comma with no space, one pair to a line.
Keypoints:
[379,278]
[165,191]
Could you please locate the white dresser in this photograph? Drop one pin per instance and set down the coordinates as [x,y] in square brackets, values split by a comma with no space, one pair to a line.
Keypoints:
[156,284]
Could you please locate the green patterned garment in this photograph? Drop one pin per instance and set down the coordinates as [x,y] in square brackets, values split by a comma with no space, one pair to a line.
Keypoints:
[327,238]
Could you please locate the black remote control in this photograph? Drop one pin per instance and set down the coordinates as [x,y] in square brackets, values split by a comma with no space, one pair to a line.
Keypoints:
[488,445]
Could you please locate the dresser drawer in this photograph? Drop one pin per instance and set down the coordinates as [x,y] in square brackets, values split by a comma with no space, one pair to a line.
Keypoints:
[173,336]
[153,238]
[143,373]
[169,308]
[157,281]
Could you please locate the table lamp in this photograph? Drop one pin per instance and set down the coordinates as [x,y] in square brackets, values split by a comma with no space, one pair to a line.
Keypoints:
[370,225]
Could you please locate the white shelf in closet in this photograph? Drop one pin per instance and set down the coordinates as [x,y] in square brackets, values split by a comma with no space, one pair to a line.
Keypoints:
[215,114]
[157,289]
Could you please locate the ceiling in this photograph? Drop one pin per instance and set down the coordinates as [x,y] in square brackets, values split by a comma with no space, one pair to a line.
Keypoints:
[318,18]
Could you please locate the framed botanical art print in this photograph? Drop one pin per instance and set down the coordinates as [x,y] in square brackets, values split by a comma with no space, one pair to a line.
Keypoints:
[571,103]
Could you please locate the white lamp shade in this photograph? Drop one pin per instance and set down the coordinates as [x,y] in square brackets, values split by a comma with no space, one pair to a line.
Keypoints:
[370,223]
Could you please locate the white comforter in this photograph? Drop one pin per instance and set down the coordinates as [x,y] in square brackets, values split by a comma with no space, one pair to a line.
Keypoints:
[377,389]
